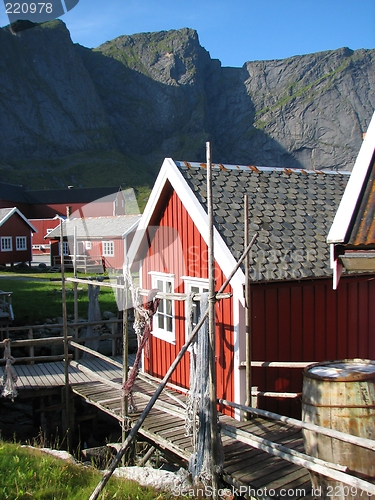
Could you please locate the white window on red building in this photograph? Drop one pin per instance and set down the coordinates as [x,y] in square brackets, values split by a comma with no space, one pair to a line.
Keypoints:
[108,248]
[21,243]
[6,244]
[163,324]
[195,286]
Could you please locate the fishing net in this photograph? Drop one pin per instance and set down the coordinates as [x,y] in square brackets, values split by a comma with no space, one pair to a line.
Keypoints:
[9,389]
[197,423]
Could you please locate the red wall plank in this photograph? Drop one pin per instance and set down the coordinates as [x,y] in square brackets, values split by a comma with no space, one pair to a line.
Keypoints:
[186,256]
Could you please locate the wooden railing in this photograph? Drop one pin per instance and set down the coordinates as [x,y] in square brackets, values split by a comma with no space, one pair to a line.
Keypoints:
[276,364]
[83,263]
[78,343]
[328,469]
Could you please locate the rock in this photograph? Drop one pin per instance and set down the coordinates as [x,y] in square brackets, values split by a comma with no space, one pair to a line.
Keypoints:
[108,315]
[105,347]
[175,482]
[306,111]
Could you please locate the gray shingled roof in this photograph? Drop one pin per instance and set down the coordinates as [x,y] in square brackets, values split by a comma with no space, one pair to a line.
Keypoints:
[291,210]
[96,227]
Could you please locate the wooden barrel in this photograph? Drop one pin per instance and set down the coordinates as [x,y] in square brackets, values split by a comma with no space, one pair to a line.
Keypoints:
[340,395]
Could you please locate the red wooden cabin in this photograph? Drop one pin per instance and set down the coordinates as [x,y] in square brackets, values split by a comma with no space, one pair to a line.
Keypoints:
[295,314]
[15,237]
[101,242]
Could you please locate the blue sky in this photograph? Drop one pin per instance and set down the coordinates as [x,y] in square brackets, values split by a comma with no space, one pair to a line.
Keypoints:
[233,31]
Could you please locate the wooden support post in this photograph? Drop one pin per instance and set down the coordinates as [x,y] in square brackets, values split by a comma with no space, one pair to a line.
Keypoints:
[65,330]
[247,416]
[75,251]
[30,336]
[75,287]
[147,456]
[108,473]
[125,353]
[212,329]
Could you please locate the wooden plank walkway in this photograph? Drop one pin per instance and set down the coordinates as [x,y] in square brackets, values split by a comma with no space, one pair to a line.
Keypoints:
[246,468]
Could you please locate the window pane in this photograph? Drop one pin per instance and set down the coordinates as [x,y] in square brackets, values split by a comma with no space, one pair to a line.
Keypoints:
[168,287]
[161,306]
[159,285]
[168,304]
[160,321]
[169,323]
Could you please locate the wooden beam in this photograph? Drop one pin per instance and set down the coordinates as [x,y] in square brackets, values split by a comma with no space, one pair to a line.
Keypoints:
[96,354]
[360,441]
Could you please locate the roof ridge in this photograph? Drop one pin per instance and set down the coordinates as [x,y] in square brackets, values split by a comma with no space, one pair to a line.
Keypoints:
[258,169]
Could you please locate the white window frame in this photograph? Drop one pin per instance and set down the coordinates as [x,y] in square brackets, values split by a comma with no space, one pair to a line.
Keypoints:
[88,245]
[21,243]
[201,285]
[6,244]
[165,315]
[108,248]
[65,248]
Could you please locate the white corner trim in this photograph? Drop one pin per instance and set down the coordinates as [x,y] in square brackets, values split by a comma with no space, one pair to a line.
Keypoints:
[239,389]
[344,214]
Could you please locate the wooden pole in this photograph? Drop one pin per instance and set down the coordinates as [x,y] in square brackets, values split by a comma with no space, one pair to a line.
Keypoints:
[248,351]
[125,356]
[108,473]
[75,251]
[66,347]
[212,328]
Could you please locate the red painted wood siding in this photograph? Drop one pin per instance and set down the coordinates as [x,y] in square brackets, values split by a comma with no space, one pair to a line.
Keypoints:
[309,321]
[183,252]
[14,227]
[42,225]
[94,209]
[111,262]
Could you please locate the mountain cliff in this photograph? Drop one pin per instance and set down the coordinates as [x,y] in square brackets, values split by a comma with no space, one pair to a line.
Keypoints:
[105,116]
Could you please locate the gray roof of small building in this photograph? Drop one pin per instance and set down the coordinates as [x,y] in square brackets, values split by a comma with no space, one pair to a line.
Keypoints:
[290,210]
[76,195]
[96,227]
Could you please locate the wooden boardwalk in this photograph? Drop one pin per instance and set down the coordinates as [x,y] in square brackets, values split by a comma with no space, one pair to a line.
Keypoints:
[245,467]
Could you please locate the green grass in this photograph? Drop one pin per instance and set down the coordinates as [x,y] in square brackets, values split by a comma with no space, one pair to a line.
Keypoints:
[35,297]
[29,473]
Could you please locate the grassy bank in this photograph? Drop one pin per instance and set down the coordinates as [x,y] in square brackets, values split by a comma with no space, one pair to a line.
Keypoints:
[37,296]
[29,473]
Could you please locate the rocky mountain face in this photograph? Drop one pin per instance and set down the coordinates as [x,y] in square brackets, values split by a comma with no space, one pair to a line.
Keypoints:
[110,115]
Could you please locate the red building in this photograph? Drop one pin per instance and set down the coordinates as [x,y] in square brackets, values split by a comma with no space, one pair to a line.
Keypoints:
[43,227]
[15,237]
[94,241]
[45,208]
[295,314]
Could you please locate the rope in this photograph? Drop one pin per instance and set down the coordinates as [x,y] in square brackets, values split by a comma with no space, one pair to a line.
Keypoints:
[142,328]
[10,377]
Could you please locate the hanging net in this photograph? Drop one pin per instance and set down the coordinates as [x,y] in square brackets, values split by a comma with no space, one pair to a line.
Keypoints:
[93,315]
[9,389]
[197,423]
